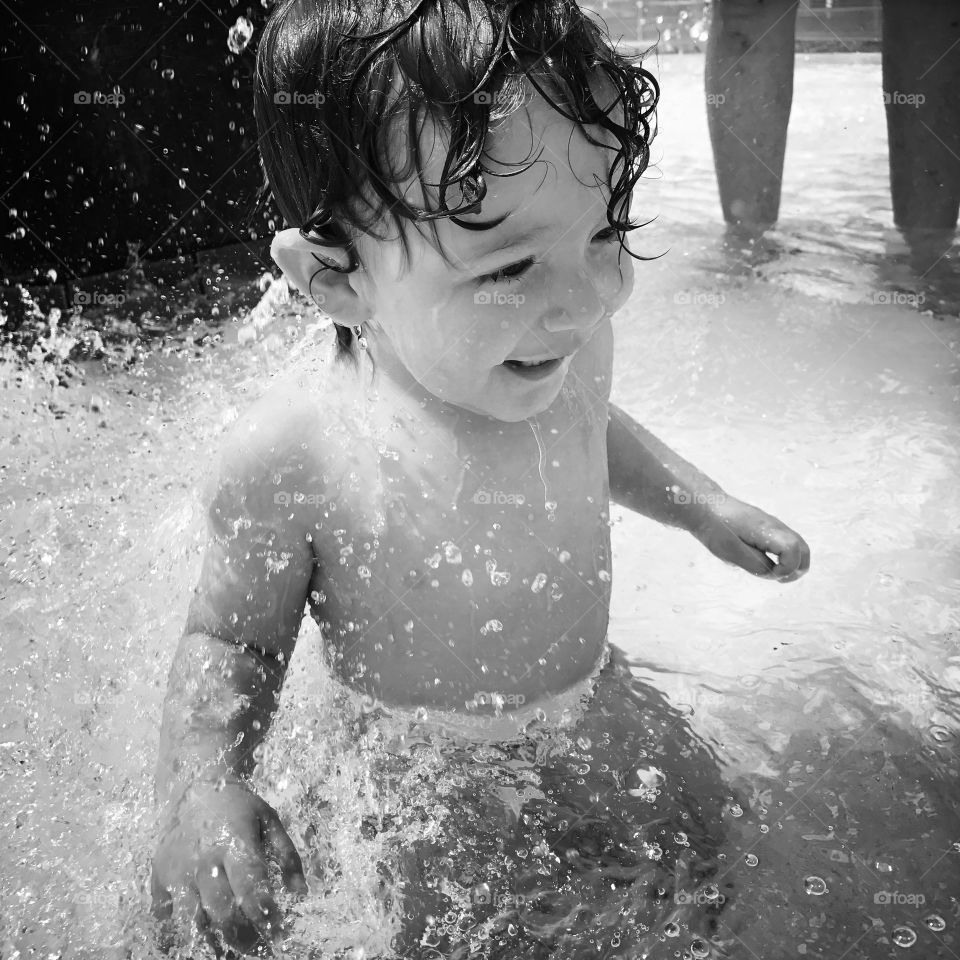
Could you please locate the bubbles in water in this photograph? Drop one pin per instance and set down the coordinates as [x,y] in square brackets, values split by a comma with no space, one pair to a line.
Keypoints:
[699,949]
[736,810]
[940,734]
[539,581]
[433,561]
[764,828]
[239,35]
[467,578]
[671,929]
[903,936]
[499,578]
[451,552]
[935,922]
[751,859]
[563,556]
[815,886]
[604,575]
[555,592]
[711,892]
[491,626]
[167,73]
[681,838]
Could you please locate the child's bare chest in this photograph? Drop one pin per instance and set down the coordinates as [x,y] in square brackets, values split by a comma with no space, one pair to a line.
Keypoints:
[454,564]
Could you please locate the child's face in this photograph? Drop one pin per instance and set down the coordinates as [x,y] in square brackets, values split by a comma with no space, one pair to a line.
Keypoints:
[450,327]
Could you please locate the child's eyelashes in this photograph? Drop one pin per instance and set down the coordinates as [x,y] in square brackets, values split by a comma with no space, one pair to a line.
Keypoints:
[515,271]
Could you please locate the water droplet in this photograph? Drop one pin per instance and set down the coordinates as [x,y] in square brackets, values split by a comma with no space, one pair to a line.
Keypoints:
[699,949]
[604,575]
[491,626]
[764,828]
[451,552]
[167,73]
[563,556]
[736,810]
[751,860]
[903,936]
[363,572]
[940,734]
[433,561]
[539,581]
[671,929]
[935,922]
[499,578]
[239,35]
[815,886]
[467,578]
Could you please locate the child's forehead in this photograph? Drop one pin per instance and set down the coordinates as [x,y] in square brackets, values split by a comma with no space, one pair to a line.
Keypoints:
[568,173]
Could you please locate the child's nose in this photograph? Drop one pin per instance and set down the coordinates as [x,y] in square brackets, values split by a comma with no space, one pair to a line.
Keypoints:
[577,306]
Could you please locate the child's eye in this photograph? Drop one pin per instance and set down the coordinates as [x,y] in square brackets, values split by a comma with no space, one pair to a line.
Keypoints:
[516,270]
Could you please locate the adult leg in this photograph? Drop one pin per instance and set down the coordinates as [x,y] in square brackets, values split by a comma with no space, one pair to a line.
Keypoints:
[749,92]
[921,85]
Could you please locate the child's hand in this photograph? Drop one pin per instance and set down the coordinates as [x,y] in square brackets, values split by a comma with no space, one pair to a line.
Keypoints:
[741,534]
[210,868]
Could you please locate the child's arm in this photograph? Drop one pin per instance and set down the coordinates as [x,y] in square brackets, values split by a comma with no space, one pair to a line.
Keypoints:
[223,689]
[648,477]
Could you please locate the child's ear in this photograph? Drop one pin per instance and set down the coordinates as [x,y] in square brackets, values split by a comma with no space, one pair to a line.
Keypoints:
[302,262]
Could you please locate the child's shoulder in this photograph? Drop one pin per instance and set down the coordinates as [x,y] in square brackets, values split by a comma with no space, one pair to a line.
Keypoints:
[285,436]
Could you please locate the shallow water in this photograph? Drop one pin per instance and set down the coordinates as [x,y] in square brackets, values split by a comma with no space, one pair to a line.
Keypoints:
[815,377]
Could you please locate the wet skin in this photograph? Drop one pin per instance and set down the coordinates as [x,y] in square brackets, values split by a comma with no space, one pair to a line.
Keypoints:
[398,615]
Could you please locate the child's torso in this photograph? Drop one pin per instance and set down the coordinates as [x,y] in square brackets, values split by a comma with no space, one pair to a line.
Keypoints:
[441,575]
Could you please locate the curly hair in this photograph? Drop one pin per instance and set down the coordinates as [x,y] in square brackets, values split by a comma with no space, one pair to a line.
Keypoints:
[333,77]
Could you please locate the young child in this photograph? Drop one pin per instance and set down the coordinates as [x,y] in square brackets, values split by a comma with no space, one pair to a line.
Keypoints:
[457,180]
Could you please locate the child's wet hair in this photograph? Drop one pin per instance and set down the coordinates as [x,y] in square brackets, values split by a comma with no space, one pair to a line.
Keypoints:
[335,77]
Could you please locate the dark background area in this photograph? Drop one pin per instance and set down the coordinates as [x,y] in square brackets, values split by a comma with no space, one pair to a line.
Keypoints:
[167,159]
[165,165]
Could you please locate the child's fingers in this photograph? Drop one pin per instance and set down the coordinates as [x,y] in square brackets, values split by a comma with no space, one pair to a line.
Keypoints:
[747,557]
[250,879]
[291,866]
[220,905]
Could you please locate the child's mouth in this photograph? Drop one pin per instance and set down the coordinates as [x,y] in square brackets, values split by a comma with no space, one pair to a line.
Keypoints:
[533,371]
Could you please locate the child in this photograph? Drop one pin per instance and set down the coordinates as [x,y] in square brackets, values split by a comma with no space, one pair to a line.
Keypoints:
[458,181]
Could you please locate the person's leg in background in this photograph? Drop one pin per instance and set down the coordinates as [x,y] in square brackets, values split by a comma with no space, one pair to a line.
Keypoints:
[749,92]
[921,86]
